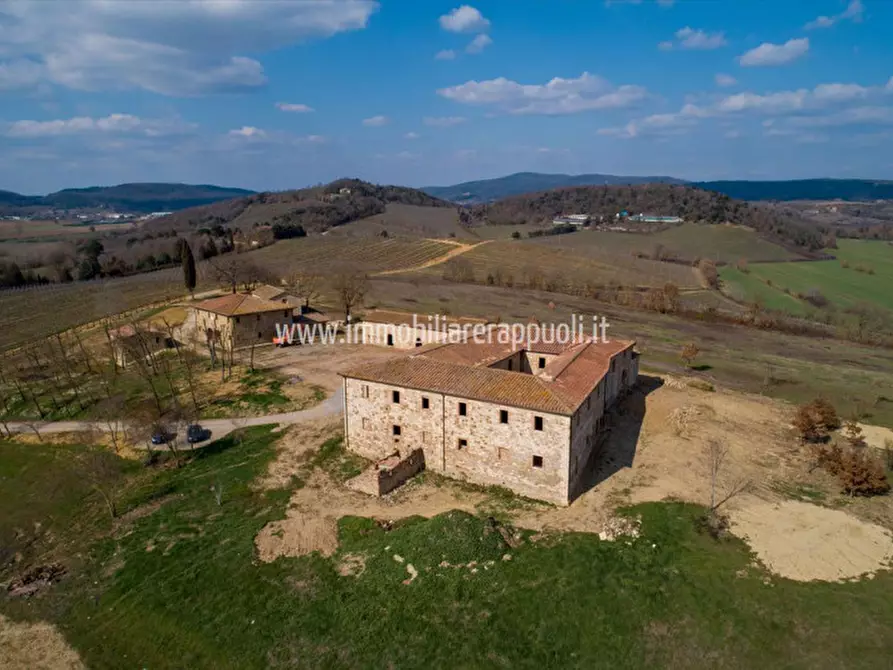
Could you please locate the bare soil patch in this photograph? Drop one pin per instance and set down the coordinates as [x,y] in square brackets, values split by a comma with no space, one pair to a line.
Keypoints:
[35,646]
[805,542]
[294,448]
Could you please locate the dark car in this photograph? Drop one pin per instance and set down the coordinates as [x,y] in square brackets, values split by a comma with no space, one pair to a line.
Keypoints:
[161,436]
[195,433]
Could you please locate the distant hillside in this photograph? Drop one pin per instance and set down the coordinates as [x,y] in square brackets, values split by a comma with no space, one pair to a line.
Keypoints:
[142,198]
[10,199]
[308,210]
[132,198]
[692,204]
[488,190]
[803,189]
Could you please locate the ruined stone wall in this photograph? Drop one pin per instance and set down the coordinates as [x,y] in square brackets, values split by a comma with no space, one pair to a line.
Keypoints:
[408,467]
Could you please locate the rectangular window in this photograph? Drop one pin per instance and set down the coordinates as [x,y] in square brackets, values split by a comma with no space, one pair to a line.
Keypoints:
[463,409]
[396,430]
[587,401]
[365,423]
[537,461]
[395,396]
[502,454]
[537,423]
[424,437]
[503,416]
[365,390]
[425,403]
[462,444]
[390,340]
[510,364]
[541,363]
[237,320]
[260,335]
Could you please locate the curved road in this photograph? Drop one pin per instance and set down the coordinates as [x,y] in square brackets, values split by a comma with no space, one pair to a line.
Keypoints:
[218,427]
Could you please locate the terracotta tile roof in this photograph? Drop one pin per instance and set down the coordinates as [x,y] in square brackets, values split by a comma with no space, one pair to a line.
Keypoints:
[235,304]
[462,370]
[487,384]
[267,292]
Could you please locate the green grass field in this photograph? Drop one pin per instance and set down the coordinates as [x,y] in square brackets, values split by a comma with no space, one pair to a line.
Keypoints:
[689,241]
[174,583]
[844,287]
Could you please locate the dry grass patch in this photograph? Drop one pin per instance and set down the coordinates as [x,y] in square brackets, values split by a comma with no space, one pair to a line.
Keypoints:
[35,646]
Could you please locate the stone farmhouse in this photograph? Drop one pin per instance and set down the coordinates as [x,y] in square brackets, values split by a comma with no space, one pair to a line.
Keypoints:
[240,319]
[403,330]
[527,417]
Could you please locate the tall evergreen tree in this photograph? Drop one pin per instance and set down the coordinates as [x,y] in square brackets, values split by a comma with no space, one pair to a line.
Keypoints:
[187,260]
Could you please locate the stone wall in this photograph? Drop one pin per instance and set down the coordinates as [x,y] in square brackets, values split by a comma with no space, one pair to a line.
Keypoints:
[391,478]
[493,453]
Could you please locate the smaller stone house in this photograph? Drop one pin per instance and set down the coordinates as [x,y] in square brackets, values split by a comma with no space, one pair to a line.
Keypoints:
[130,343]
[402,330]
[240,320]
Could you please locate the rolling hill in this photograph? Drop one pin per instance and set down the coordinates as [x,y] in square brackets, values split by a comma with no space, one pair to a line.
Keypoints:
[488,190]
[133,198]
[692,204]
[292,213]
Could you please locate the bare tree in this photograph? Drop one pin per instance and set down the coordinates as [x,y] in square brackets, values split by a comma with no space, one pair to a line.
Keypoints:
[111,411]
[351,288]
[305,285]
[234,271]
[103,470]
[186,364]
[722,488]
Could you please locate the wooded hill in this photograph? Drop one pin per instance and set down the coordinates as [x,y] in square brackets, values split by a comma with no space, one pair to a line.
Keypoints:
[130,198]
[309,210]
[692,204]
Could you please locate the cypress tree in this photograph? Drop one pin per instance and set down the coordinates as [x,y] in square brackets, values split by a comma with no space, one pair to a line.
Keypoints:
[187,260]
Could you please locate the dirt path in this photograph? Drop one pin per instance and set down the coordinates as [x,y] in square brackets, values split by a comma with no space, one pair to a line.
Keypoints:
[460,248]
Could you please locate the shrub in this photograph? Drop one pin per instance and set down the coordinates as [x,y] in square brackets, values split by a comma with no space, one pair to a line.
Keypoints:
[814,420]
[859,473]
[689,353]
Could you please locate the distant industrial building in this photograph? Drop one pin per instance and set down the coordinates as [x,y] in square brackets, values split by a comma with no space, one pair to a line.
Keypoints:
[648,218]
[571,219]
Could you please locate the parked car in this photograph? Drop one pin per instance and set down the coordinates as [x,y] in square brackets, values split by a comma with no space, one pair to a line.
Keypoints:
[196,433]
[161,436]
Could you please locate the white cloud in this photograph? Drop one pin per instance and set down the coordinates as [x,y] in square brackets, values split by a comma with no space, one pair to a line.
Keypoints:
[411,136]
[853,12]
[315,139]
[839,92]
[665,46]
[190,47]
[478,44]
[698,39]
[725,80]
[111,124]
[558,96]
[375,121]
[294,107]
[866,115]
[443,121]
[889,86]
[658,124]
[445,54]
[248,131]
[771,103]
[464,19]
[775,54]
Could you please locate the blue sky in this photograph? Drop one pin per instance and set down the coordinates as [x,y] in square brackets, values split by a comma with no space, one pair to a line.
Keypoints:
[276,94]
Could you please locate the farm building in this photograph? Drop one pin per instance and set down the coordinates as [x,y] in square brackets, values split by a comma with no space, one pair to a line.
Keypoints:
[527,417]
[240,319]
[130,343]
